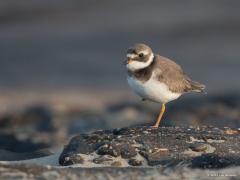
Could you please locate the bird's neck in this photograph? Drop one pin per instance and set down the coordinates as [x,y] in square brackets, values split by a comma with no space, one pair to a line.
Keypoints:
[144,73]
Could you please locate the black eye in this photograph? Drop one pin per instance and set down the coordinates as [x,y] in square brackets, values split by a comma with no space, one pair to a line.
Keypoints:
[141,55]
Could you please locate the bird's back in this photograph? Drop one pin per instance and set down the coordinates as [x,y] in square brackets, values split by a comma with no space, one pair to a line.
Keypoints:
[170,73]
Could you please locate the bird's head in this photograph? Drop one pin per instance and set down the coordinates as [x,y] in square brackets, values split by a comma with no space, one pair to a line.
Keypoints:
[138,57]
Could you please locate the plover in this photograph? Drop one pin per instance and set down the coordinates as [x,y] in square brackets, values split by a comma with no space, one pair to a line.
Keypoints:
[157,78]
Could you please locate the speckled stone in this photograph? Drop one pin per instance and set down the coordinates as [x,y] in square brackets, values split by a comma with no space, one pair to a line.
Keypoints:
[103,160]
[73,159]
[199,147]
[135,162]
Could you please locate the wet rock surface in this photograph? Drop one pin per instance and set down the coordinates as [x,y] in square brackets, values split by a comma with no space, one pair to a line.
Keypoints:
[204,147]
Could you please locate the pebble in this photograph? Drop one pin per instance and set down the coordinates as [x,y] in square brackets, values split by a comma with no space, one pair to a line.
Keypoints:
[135,162]
[116,163]
[199,147]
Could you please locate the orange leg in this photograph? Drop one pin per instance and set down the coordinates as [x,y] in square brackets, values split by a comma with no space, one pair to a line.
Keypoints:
[160,116]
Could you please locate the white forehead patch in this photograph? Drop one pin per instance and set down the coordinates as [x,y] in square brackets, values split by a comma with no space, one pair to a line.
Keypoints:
[135,55]
[136,65]
[131,56]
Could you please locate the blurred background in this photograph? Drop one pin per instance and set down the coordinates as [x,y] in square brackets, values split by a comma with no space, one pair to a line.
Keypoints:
[62,70]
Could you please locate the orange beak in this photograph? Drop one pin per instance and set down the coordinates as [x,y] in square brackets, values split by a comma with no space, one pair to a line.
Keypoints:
[129,61]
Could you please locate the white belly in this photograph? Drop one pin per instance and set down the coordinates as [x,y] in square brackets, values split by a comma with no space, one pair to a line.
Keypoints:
[152,90]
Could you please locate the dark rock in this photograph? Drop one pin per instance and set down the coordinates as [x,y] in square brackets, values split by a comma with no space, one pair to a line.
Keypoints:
[11,143]
[213,161]
[28,131]
[72,159]
[41,116]
[14,156]
[135,162]
[108,149]
[127,151]
[117,148]
[167,146]
[79,144]
[38,118]
[116,145]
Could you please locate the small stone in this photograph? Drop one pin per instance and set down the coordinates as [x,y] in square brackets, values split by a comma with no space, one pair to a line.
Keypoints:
[159,152]
[135,162]
[116,164]
[163,150]
[231,131]
[127,151]
[103,160]
[199,147]
[158,157]
[143,153]
[116,149]
[106,150]
[73,159]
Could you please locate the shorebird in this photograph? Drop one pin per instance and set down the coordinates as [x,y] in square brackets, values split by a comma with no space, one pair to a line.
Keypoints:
[157,78]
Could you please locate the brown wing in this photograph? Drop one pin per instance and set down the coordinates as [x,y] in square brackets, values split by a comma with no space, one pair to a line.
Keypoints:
[173,76]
